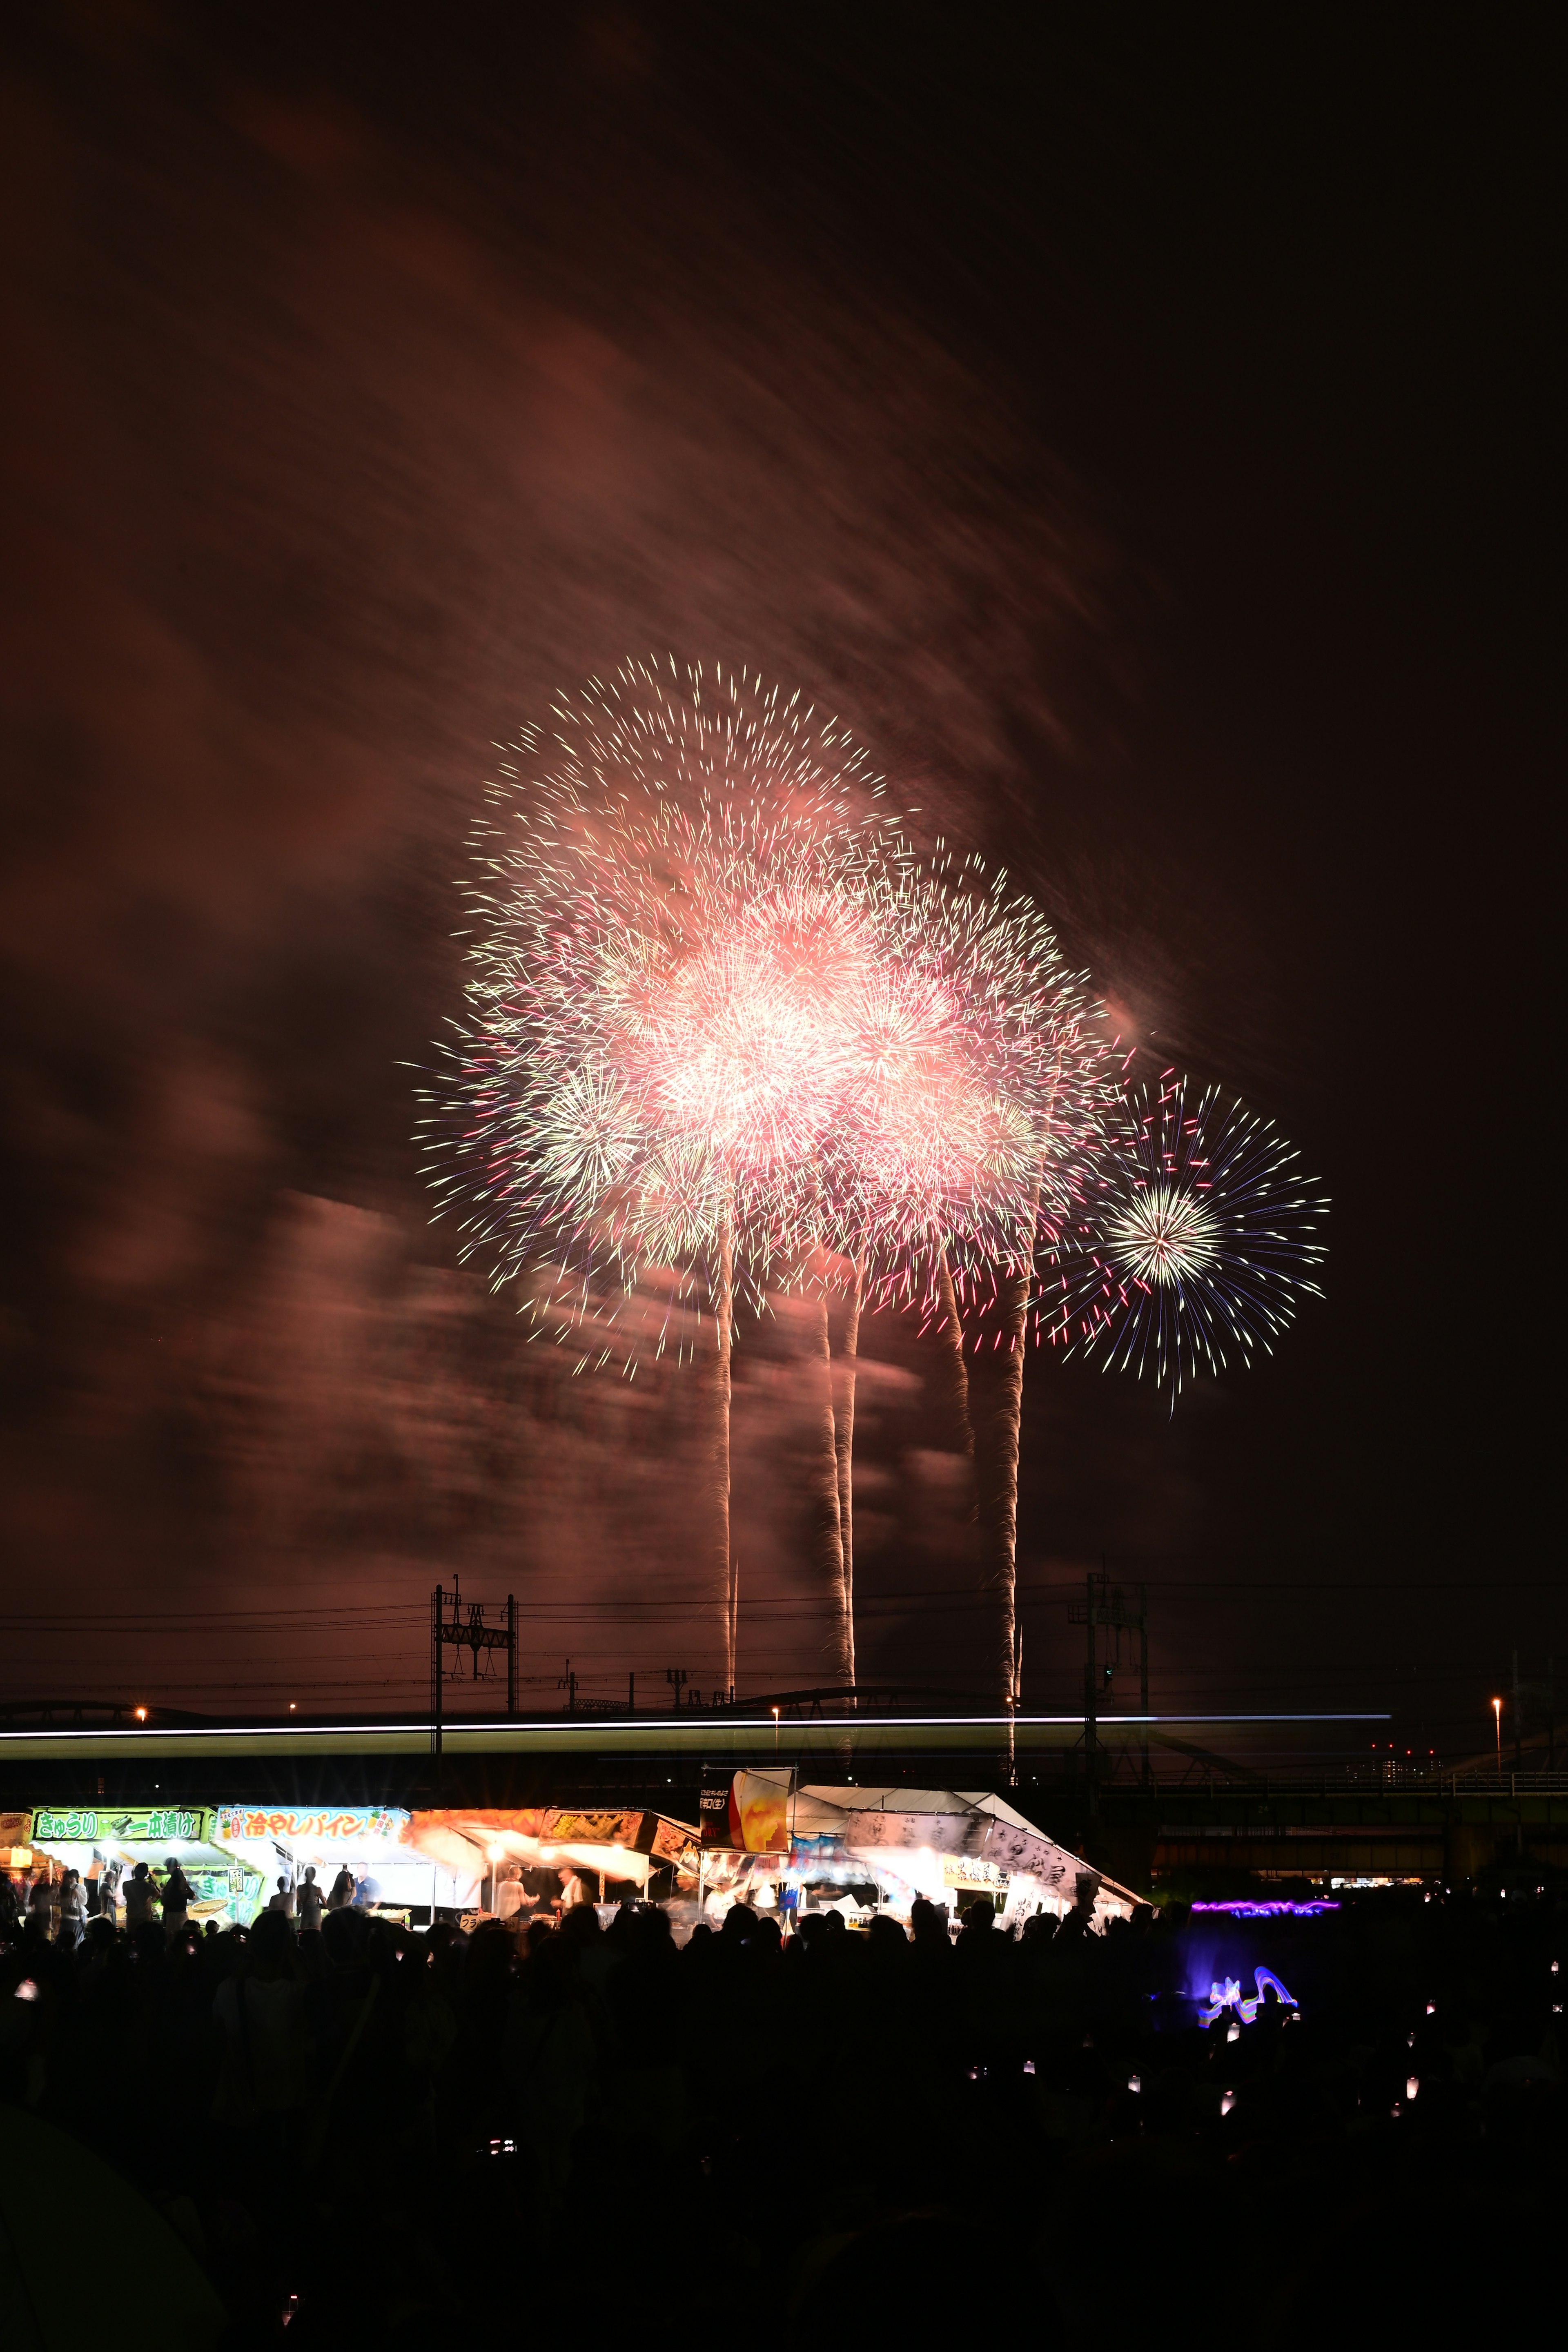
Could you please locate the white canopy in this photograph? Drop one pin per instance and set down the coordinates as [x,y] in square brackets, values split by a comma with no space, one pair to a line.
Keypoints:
[972,1824]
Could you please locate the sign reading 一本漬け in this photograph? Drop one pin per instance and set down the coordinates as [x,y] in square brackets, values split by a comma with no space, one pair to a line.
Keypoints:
[121,1825]
[331,1824]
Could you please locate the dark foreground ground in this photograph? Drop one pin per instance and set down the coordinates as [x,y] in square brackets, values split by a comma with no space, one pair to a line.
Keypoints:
[401,2140]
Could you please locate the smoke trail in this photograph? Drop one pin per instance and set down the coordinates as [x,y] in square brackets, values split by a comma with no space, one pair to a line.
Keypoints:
[714,1385]
[844,1439]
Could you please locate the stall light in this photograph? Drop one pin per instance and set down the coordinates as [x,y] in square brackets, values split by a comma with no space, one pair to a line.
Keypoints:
[1412,2085]
[1410,2041]
[1226,2103]
[1431,2008]
[1233,2032]
[1028,2065]
[140,1714]
[26,1990]
[1135,2081]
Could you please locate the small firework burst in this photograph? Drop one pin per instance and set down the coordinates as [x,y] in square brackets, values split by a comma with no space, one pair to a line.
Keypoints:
[1200,1238]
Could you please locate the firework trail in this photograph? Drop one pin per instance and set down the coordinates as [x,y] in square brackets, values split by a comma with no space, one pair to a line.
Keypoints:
[981,1077]
[657,1043]
[844,1448]
[1201,1238]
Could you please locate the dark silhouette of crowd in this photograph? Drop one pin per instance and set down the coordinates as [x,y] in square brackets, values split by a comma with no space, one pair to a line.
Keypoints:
[369,2133]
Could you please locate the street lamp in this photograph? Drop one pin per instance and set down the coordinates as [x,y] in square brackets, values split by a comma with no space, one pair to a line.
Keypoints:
[775,1732]
[1497,1712]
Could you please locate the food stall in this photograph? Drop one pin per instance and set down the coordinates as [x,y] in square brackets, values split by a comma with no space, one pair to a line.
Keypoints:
[530,1862]
[371,1842]
[862,1851]
[225,1887]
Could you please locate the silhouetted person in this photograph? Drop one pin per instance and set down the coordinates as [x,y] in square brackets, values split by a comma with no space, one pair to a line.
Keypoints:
[140,1898]
[928,1930]
[177,1896]
[283,1900]
[265,2072]
[109,1879]
[342,1890]
[308,1902]
[72,1909]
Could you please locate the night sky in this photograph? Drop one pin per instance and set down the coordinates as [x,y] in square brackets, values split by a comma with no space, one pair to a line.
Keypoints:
[1133,424]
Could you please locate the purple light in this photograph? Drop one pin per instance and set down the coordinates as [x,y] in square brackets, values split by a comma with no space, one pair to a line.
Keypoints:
[1228,1994]
[1266,1907]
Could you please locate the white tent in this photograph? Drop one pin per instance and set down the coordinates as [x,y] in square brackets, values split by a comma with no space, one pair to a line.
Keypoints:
[950,1845]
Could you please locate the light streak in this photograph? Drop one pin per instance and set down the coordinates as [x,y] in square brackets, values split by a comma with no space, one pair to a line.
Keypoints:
[1226,1993]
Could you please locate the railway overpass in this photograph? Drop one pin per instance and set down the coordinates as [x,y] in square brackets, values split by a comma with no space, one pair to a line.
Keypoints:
[1183,1801]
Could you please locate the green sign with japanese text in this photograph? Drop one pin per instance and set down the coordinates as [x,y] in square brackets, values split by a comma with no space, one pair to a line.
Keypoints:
[122,1825]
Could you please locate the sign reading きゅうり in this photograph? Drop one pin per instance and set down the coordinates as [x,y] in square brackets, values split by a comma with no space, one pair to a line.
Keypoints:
[746,1813]
[121,1825]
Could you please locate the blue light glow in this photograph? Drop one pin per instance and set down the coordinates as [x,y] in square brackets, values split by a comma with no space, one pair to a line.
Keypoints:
[1229,1995]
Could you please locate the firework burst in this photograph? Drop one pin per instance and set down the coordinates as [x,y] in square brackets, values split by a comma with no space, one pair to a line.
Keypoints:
[977,1080]
[1201,1238]
[663,959]
[658,1046]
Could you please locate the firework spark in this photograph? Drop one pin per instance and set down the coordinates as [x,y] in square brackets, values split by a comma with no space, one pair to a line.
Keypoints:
[656,1043]
[980,1072]
[980,1081]
[1200,1241]
[657,1047]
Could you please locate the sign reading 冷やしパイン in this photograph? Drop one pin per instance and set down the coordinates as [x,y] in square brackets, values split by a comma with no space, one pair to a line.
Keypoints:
[340,1825]
[119,1825]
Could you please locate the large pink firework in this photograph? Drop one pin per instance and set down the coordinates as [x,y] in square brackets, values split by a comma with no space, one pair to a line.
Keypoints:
[657,1050]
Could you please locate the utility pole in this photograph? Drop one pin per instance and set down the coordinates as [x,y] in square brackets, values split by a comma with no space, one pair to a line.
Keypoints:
[1518,1724]
[676,1678]
[1143,1672]
[1106,1604]
[1551,1718]
[1091,1694]
[486,1626]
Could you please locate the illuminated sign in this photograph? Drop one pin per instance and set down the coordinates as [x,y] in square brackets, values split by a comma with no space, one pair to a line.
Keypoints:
[1250,1906]
[746,1813]
[332,1826]
[1228,1995]
[968,1874]
[121,1825]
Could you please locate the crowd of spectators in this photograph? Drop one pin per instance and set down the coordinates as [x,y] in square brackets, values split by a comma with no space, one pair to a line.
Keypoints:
[378,2134]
